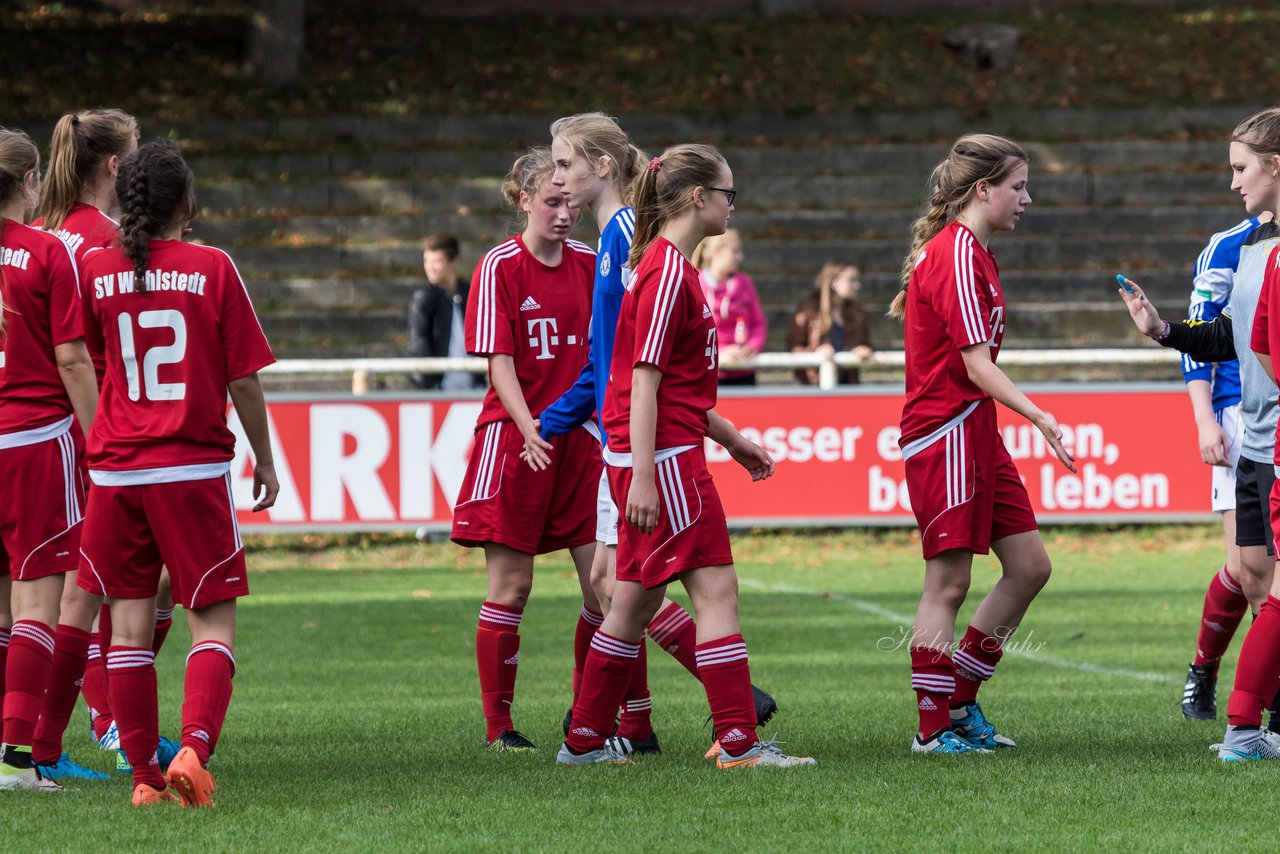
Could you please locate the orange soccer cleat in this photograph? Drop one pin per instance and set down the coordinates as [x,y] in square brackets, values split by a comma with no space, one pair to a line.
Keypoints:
[191,780]
[145,795]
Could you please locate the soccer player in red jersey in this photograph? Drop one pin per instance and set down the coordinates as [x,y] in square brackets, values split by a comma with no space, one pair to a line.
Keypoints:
[529,313]
[658,409]
[965,492]
[47,398]
[180,334]
[77,201]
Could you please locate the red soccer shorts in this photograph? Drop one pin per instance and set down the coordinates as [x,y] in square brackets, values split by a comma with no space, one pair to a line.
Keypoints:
[43,504]
[131,532]
[692,531]
[504,501]
[965,490]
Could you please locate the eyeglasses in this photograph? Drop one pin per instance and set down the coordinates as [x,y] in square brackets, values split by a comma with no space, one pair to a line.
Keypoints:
[729,194]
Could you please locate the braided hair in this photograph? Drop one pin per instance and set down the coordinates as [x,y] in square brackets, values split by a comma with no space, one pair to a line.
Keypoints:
[155,187]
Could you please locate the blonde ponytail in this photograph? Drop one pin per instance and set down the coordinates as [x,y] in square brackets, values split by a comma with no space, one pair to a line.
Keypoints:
[81,143]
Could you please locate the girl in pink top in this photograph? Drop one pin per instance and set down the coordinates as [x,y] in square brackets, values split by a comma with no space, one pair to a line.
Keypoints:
[740,323]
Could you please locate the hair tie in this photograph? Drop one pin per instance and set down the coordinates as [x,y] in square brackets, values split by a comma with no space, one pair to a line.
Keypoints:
[655,165]
[75,120]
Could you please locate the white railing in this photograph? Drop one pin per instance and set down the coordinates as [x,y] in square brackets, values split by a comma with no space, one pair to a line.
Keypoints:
[362,369]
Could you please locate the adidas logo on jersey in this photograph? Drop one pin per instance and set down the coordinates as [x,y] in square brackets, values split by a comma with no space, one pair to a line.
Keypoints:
[513,660]
[529,304]
[993,290]
[927,705]
[706,312]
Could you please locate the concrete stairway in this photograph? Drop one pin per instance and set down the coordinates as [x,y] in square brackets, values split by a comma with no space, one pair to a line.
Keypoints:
[325,220]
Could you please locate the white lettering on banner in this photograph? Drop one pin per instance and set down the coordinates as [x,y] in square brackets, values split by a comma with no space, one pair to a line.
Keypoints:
[454,438]
[887,444]
[1086,441]
[335,474]
[288,506]
[417,489]
[798,444]
[1092,490]
[885,494]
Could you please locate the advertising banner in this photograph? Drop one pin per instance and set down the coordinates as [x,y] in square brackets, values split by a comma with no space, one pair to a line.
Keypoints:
[396,463]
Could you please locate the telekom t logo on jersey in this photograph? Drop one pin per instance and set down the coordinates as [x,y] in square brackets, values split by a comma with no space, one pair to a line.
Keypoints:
[542,336]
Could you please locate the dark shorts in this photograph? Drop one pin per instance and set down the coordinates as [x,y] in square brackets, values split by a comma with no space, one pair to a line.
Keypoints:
[1254,482]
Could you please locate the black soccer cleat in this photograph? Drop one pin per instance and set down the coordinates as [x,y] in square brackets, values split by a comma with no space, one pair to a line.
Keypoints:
[568,721]
[766,706]
[627,747]
[1199,697]
[509,739]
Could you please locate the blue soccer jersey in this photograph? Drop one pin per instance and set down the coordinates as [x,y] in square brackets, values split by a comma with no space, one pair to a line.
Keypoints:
[586,396]
[1214,275]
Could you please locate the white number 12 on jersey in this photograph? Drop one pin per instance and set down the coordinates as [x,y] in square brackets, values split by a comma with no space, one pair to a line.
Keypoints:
[156,356]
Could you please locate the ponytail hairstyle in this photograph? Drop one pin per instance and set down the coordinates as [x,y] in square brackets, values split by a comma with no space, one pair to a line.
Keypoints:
[19,157]
[974,158]
[155,187]
[81,143]
[665,189]
[1261,133]
[597,135]
[530,171]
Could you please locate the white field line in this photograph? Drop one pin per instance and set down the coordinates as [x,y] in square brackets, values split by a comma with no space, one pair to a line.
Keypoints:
[903,620]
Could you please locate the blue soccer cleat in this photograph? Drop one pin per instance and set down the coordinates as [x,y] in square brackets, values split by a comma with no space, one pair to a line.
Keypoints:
[945,741]
[973,727]
[166,750]
[110,739]
[65,769]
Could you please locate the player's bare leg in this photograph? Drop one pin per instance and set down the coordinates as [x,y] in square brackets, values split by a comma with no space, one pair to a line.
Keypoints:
[1256,571]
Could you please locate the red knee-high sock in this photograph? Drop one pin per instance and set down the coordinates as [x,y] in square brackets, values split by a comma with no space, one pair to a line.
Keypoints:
[604,682]
[70,649]
[26,676]
[497,657]
[132,681]
[164,621]
[674,631]
[1224,606]
[975,661]
[210,669]
[94,687]
[726,677]
[1258,670]
[4,658]
[588,622]
[933,679]
[634,722]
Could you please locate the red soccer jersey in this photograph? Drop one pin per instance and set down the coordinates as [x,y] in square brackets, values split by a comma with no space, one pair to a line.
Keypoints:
[538,315]
[665,322]
[954,300]
[84,228]
[41,299]
[170,353]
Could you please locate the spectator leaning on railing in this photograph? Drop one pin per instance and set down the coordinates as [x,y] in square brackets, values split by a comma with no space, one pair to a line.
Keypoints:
[829,320]
[740,323]
[437,313]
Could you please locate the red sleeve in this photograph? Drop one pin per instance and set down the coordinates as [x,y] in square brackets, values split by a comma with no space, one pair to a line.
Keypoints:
[959,298]
[491,312]
[658,294]
[65,320]
[244,345]
[1260,335]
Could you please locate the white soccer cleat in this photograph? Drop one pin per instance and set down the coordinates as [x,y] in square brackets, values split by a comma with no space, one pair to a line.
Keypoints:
[28,779]
[603,756]
[110,739]
[1246,745]
[764,754]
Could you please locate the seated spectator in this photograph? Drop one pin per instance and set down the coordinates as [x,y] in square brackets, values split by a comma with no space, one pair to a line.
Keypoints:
[740,323]
[437,313]
[830,320]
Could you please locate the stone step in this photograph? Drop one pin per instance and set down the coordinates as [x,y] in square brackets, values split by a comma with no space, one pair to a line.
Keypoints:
[480,228]
[794,159]
[1106,254]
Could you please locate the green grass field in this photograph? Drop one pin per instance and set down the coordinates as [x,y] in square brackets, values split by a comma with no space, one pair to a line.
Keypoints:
[356,725]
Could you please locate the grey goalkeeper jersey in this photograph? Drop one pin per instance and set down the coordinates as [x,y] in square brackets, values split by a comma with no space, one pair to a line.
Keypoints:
[1258,406]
